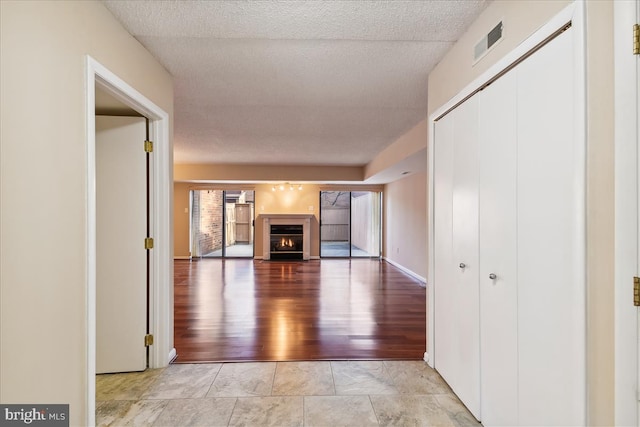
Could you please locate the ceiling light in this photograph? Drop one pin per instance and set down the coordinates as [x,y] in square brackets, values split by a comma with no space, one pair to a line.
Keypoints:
[281,187]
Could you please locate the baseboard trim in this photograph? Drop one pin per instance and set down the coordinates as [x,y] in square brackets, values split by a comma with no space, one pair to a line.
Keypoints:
[172,355]
[423,281]
[427,359]
[258,257]
[314,257]
[181,257]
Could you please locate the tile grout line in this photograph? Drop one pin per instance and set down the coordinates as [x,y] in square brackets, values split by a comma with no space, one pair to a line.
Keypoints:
[232,411]
[393,381]
[333,380]
[164,408]
[374,409]
[214,380]
[273,378]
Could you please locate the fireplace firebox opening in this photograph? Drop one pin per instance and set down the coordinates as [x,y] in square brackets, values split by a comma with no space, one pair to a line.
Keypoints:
[286,242]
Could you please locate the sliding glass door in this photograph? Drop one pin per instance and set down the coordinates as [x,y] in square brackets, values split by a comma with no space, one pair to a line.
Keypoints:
[222,223]
[239,213]
[350,224]
[366,227]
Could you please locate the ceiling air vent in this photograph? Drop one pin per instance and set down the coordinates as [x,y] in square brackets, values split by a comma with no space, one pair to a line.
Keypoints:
[487,42]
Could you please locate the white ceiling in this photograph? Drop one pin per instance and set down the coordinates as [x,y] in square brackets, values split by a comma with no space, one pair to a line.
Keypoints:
[295,82]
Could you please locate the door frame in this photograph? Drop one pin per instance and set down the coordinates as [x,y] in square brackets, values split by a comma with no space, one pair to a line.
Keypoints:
[626,213]
[573,13]
[160,218]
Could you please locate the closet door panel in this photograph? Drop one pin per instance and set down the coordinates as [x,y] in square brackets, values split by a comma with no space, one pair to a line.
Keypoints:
[498,250]
[445,298]
[551,351]
[465,253]
[456,227]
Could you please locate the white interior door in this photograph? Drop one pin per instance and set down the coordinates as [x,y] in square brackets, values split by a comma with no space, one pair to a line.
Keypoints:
[121,276]
[498,252]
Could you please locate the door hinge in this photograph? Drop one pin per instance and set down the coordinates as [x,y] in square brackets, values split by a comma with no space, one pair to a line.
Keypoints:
[148,340]
[636,291]
[148,243]
[148,146]
[636,39]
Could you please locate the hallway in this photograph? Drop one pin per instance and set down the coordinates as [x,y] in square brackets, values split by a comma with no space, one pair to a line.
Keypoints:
[246,310]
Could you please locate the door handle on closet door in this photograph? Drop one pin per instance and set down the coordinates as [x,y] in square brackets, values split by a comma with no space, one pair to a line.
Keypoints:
[492,276]
[462,265]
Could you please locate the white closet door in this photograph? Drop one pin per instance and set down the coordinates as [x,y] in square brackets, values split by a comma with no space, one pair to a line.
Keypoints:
[465,254]
[550,304]
[498,228]
[445,298]
[456,275]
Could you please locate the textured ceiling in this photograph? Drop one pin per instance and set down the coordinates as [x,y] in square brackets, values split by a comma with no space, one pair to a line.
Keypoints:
[295,82]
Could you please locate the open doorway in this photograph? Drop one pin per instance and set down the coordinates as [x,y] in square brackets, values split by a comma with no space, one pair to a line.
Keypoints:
[160,269]
[221,223]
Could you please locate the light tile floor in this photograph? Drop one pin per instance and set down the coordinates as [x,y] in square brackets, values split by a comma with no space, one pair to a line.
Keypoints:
[358,393]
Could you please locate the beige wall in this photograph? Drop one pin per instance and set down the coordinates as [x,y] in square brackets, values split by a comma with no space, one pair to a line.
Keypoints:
[43,328]
[405,213]
[455,71]
[406,146]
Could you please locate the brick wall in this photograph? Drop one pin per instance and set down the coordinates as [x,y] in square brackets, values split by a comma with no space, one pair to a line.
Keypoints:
[207,211]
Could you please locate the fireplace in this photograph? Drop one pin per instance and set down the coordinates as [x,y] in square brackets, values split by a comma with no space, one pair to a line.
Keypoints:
[286,241]
[286,236]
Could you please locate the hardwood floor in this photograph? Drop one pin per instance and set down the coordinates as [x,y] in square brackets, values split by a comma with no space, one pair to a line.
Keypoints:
[246,310]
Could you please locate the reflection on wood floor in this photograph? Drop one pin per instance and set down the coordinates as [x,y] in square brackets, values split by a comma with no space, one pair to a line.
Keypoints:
[234,309]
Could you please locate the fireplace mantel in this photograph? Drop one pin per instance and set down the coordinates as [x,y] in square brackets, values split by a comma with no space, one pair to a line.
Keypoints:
[286,219]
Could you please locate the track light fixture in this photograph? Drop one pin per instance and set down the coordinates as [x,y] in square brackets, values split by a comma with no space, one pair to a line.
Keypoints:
[291,187]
